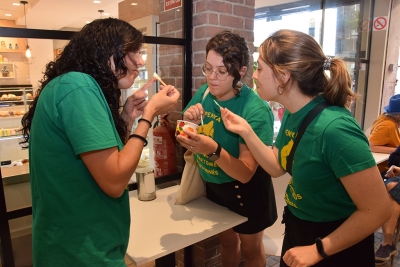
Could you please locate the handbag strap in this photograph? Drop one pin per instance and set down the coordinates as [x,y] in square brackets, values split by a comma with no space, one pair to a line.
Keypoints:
[309,118]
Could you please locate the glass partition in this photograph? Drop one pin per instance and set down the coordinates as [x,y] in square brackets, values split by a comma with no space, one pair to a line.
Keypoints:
[342,28]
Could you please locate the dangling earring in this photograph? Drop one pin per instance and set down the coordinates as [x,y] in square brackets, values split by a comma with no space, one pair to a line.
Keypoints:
[280,92]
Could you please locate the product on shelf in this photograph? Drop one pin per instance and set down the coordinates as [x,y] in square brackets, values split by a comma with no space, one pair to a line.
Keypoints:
[8,132]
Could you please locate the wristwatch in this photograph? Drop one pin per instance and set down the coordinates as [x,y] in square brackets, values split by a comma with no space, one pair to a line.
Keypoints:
[214,156]
[320,248]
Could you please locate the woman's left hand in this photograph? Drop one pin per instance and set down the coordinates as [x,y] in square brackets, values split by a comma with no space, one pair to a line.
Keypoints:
[135,103]
[302,256]
[197,143]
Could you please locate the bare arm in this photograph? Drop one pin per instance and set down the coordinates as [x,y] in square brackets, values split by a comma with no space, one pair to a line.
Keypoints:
[241,168]
[111,168]
[264,155]
[381,149]
[372,211]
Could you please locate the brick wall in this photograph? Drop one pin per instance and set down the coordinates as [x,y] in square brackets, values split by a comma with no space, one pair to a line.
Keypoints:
[211,17]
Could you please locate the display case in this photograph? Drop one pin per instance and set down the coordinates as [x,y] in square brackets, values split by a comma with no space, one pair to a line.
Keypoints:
[14,103]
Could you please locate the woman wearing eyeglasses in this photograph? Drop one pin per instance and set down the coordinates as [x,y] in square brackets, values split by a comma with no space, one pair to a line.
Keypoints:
[233,177]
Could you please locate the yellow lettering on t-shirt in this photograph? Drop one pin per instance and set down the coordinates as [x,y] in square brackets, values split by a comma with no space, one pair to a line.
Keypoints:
[290,133]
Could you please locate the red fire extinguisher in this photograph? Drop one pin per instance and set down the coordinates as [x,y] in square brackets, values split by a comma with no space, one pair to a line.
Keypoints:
[164,147]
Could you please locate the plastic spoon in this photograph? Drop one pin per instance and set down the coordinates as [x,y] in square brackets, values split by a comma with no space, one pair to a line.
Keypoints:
[155,75]
[217,104]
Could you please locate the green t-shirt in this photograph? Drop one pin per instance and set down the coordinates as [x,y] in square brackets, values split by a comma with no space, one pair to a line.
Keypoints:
[246,104]
[333,146]
[74,222]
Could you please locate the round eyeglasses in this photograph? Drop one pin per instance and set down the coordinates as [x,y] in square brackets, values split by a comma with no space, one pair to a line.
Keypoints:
[220,74]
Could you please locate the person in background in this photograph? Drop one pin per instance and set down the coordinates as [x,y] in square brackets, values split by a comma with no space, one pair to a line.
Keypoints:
[233,177]
[81,153]
[388,248]
[328,219]
[384,136]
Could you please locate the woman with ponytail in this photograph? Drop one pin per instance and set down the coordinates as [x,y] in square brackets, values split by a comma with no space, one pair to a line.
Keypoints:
[335,198]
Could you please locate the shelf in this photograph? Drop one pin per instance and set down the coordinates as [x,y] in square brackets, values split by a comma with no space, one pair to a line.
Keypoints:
[12,51]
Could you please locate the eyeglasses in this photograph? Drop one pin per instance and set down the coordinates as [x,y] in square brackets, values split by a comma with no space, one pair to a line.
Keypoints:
[220,74]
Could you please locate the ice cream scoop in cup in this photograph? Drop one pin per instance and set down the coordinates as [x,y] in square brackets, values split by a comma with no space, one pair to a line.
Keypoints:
[185,125]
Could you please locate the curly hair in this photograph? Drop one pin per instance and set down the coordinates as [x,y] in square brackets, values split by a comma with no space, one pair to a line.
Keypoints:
[89,52]
[234,52]
[300,55]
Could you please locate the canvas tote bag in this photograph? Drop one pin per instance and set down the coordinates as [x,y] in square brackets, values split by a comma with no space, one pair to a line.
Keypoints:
[192,185]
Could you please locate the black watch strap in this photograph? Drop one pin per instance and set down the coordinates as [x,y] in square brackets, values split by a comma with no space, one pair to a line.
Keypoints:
[214,156]
[320,248]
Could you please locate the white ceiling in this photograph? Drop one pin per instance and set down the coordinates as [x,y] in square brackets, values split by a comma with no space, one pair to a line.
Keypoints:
[58,14]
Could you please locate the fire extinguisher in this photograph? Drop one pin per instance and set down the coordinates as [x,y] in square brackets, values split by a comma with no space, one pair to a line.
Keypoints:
[164,147]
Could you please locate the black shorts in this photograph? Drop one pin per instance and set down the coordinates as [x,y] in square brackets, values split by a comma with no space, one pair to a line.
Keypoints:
[254,200]
[395,191]
[303,233]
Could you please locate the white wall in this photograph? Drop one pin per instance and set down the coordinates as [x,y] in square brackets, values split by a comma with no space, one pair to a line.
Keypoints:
[42,53]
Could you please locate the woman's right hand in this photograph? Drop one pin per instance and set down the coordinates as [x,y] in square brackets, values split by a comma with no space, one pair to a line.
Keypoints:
[192,114]
[234,123]
[165,100]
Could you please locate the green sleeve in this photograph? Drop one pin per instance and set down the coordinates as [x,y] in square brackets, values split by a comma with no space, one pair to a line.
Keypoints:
[88,127]
[345,147]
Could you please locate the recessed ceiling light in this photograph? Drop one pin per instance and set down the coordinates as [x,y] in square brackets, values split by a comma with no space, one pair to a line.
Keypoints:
[96,2]
[8,15]
[16,4]
[87,22]
[134,4]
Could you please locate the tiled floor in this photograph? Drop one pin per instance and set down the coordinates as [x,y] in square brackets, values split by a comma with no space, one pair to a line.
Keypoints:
[273,261]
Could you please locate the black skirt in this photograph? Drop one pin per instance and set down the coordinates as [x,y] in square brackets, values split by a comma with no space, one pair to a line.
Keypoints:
[254,200]
[303,233]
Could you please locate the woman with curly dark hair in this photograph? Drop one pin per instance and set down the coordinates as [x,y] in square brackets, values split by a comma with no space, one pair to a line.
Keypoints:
[233,177]
[80,148]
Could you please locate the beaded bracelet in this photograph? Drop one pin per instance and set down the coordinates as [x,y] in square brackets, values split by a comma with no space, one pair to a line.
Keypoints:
[140,137]
[149,122]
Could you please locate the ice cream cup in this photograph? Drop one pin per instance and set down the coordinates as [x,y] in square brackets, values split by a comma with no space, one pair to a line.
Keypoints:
[185,125]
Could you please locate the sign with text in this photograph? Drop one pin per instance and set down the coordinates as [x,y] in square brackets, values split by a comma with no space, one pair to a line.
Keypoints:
[171,4]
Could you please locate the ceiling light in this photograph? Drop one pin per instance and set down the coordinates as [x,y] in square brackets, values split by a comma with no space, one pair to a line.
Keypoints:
[16,4]
[87,22]
[96,2]
[28,53]
[134,4]
[8,15]
[106,14]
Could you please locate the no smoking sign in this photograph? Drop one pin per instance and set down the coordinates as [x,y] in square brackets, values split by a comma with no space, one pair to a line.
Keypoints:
[380,23]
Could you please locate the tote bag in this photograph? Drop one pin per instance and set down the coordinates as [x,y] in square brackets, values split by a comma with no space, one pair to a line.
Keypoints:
[192,185]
